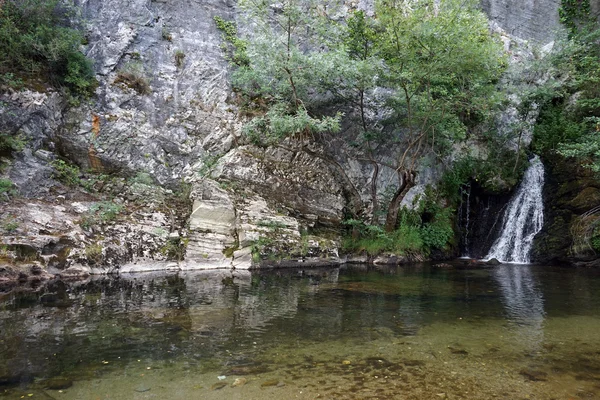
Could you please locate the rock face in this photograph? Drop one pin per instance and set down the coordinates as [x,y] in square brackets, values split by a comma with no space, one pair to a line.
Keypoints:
[535,20]
[569,195]
[184,130]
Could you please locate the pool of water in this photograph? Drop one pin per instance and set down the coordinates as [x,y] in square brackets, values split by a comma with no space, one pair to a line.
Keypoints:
[355,332]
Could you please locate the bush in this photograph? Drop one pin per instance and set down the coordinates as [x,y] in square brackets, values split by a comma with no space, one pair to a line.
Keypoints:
[36,39]
[10,143]
[101,213]
[66,173]
[7,188]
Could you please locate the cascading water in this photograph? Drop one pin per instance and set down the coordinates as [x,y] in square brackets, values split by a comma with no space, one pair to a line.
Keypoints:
[464,219]
[523,219]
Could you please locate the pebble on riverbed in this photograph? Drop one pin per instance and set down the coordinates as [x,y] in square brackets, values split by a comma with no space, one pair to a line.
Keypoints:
[239,382]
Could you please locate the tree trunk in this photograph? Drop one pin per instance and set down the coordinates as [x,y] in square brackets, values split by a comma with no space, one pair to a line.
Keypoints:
[406,179]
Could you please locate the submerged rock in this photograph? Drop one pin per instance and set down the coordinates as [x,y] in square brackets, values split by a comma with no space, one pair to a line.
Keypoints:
[218,386]
[271,382]
[534,375]
[58,383]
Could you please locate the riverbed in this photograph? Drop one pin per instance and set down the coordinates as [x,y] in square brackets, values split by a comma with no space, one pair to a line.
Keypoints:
[354,332]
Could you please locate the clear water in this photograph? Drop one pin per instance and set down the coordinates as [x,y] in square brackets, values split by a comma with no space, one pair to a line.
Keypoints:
[411,332]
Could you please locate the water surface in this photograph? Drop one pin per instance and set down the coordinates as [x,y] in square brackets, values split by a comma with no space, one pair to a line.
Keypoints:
[357,332]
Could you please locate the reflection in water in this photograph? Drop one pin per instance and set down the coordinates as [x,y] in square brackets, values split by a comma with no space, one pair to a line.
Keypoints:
[433,330]
[523,301]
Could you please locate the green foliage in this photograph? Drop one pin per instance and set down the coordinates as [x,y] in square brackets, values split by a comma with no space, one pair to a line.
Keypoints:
[278,124]
[574,14]
[9,79]
[10,225]
[270,224]
[10,143]
[555,126]
[7,188]
[36,39]
[569,122]
[285,63]
[445,64]
[101,213]
[66,173]
[420,231]
[142,178]
[234,46]
[93,252]
[208,164]
[133,76]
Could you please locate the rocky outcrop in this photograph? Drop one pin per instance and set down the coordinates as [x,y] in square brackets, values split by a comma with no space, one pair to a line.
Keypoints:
[535,20]
[164,107]
[569,194]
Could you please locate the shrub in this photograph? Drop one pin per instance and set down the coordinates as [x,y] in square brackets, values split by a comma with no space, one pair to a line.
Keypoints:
[101,213]
[10,225]
[133,76]
[36,39]
[65,173]
[10,143]
[7,188]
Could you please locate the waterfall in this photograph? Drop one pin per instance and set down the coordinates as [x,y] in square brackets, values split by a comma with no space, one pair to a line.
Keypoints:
[523,218]
[464,219]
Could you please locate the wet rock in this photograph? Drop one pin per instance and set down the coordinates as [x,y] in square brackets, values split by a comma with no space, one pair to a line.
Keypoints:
[58,383]
[534,375]
[142,388]
[443,265]
[493,261]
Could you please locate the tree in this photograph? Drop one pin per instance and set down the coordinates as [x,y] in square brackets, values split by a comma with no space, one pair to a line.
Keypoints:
[283,50]
[442,64]
[434,62]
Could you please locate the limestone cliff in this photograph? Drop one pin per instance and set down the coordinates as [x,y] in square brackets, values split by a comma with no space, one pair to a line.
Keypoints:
[216,195]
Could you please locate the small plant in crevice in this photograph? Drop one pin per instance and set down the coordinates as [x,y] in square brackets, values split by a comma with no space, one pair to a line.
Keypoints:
[65,172]
[10,80]
[10,225]
[7,189]
[133,76]
[93,253]
[208,164]
[174,249]
[101,213]
[179,58]
[233,46]
[166,34]
[142,178]
[11,143]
